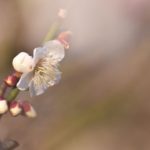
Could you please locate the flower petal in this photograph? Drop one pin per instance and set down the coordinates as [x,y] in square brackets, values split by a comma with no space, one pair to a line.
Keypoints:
[39,53]
[40,84]
[24,81]
[36,90]
[23,62]
[55,50]
[56,79]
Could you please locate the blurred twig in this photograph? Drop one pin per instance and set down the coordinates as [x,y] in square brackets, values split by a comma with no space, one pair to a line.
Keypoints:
[52,31]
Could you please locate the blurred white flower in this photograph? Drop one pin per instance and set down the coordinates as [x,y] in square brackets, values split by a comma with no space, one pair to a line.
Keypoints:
[41,71]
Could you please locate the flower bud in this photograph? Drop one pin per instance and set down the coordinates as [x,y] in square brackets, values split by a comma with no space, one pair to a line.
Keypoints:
[3,106]
[23,63]
[17,74]
[15,108]
[29,110]
[11,80]
[62,13]
[63,38]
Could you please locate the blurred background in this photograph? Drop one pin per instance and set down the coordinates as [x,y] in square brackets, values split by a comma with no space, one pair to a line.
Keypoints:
[103,99]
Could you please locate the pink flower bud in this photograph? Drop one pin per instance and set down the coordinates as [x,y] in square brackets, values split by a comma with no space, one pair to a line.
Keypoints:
[3,106]
[11,80]
[29,110]
[62,13]
[17,74]
[63,38]
[15,108]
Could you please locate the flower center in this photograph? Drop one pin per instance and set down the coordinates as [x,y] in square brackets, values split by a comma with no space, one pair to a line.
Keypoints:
[39,68]
[44,72]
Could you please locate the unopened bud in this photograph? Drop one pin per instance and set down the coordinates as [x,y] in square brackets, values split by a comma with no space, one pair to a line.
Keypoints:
[23,63]
[17,74]
[15,108]
[62,13]
[11,80]
[64,38]
[29,110]
[3,106]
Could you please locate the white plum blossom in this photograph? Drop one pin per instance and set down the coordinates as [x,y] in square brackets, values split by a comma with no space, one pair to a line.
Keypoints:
[40,71]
